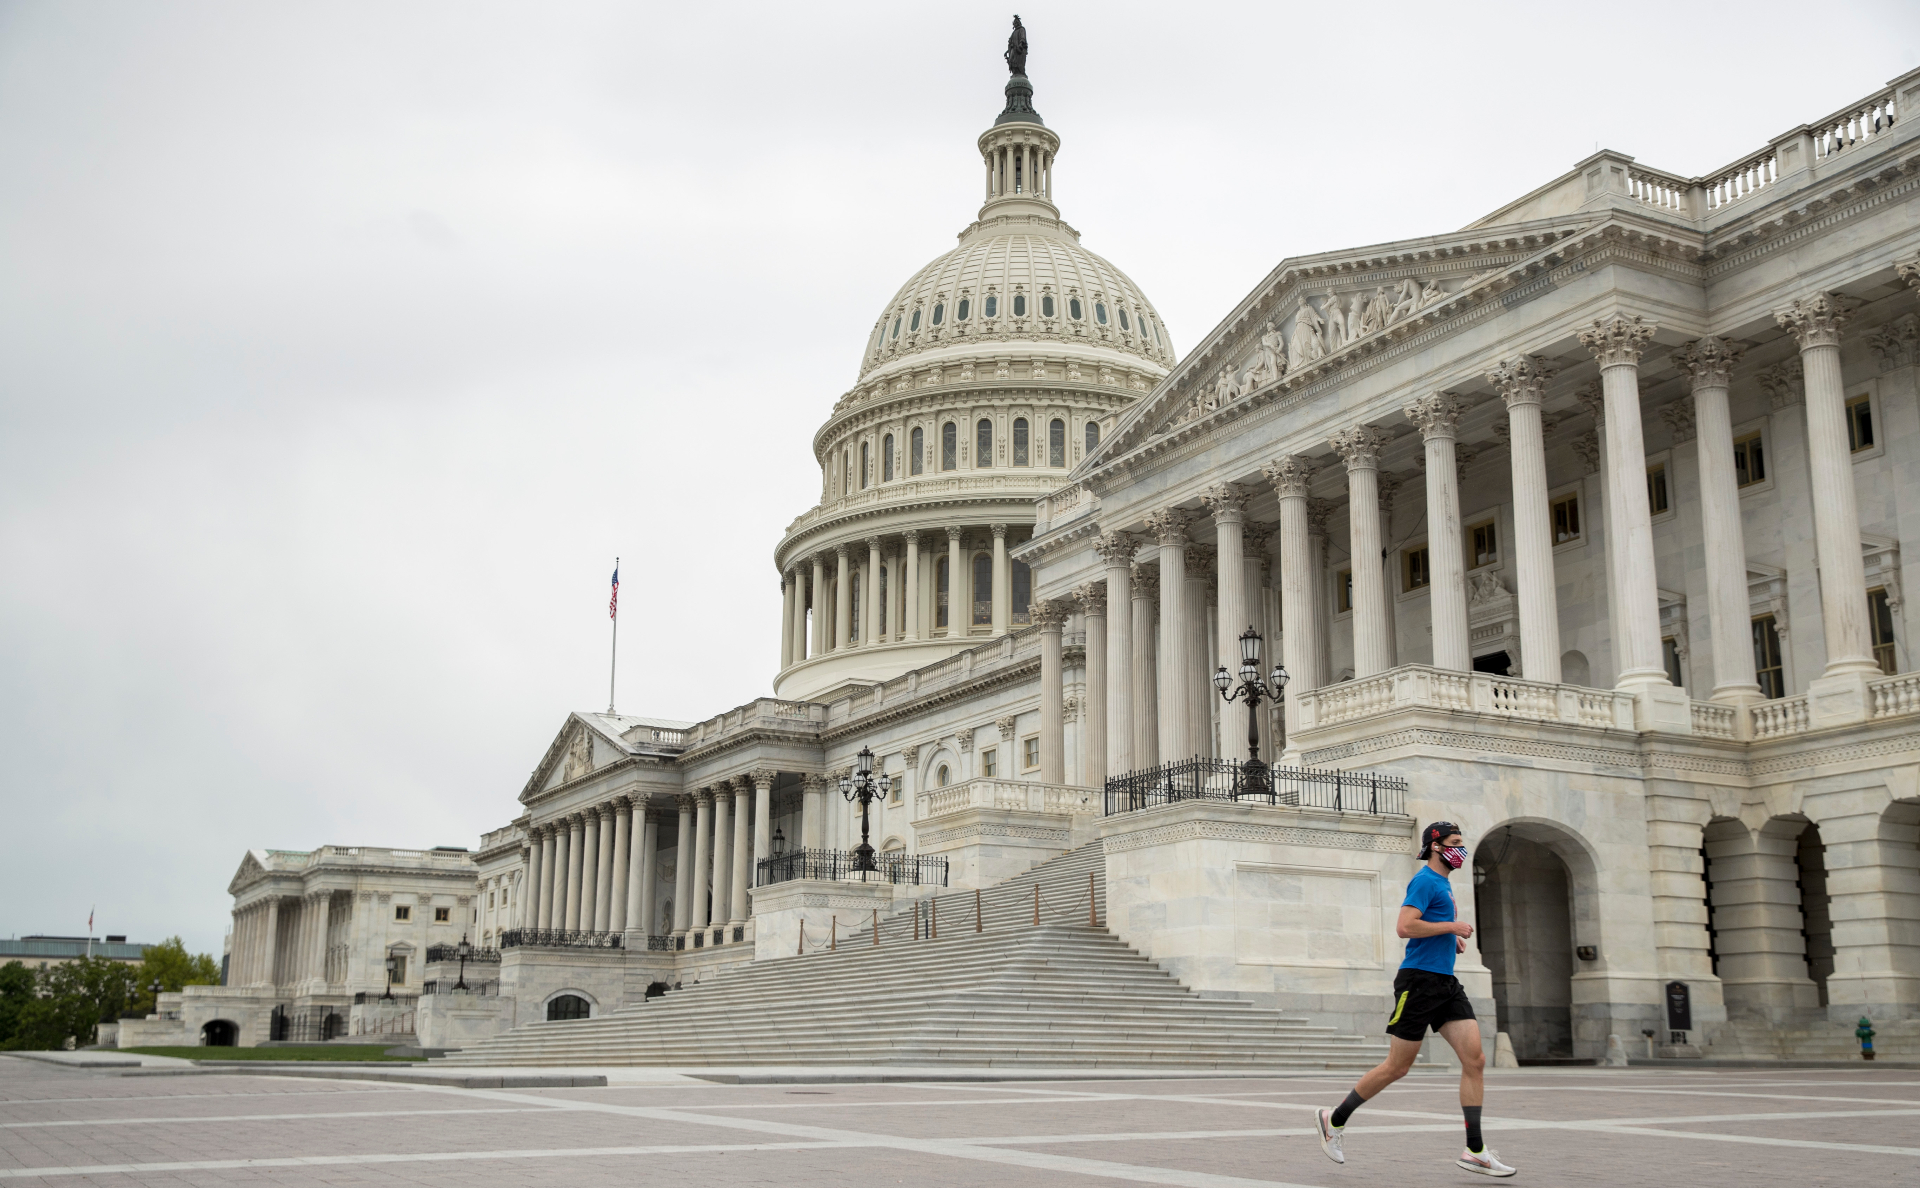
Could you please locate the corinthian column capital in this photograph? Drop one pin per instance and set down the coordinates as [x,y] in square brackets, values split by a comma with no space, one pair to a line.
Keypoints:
[1522,380]
[1359,446]
[1617,341]
[1115,548]
[1707,361]
[1290,475]
[1169,525]
[1227,502]
[1092,598]
[1909,271]
[1437,415]
[1814,321]
[1050,615]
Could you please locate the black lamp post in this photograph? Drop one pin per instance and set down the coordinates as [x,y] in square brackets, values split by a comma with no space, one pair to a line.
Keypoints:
[779,842]
[865,787]
[156,995]
[1253,690]
[393,967]
[463,950]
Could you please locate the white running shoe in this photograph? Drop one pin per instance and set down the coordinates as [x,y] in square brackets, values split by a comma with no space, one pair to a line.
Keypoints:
[1330,1137]
[1487,1163]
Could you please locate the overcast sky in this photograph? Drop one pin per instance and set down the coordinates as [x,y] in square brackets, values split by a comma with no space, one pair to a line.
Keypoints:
[344,346]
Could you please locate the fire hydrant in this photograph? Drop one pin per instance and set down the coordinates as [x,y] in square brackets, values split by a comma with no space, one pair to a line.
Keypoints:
[1864,1033]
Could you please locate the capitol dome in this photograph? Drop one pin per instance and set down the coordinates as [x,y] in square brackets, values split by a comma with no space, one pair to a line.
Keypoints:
[984,381]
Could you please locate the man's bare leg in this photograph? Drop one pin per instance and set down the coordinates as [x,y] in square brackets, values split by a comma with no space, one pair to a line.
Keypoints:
[1464,1035]
[1400,1057]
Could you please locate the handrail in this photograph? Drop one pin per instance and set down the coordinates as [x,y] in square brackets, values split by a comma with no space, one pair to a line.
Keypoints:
[1204,778]
[920,870]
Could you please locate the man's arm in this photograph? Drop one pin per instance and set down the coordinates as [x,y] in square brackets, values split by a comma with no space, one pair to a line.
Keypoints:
[1411,925]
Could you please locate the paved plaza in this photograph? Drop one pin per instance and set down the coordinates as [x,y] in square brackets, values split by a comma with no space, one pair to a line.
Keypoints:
[62,1125]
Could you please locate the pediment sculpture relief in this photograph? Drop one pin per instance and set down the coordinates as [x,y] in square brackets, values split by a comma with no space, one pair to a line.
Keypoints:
[579,756]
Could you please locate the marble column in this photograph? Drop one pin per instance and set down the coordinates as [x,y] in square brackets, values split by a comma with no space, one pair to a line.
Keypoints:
[645,917]
[1706,364]
[813,812]
[622,862]
[603,872]
[1002,583]
[1050,618]
[912,591]
[576,866]
[1169,529]
[1816,323]
[1092,598]
[1359,448]
[870,595]
[1616,344]
[322,915]
[959,605]
[590,870]
[763,778]
[271,966]
[1143,601]
[786,621]
[1319,512]
[1522,383]
[550,847]
[1228,503]
[822,613]
[536,868]
[1197,673]
[683,859]
[1438,417]
[1116,557]
[1256,561]
[722,893]
[842,599]
[742,870]
[702,859]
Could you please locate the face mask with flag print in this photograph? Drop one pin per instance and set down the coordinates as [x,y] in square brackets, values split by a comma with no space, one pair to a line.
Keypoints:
[1454,856]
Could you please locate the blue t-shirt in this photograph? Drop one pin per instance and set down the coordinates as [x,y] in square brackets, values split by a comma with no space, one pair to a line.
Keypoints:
[1433,895]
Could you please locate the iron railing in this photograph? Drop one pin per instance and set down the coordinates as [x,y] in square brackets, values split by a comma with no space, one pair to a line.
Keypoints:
[664,944]
[557,938]
[396,1002]
[441,986]
[451,953]
[914,869]
[1233,780]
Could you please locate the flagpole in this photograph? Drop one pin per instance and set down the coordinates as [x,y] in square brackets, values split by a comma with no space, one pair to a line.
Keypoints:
[613,662]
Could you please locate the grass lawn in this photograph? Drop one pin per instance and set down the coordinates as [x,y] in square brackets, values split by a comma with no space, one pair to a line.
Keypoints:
[330,1052]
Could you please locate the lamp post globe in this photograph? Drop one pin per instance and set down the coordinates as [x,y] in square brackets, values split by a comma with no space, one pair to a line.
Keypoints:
[863,787]
[1254,777]
[463,950]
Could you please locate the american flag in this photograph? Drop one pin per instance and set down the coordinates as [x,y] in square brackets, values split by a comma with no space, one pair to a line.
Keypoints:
[613,604]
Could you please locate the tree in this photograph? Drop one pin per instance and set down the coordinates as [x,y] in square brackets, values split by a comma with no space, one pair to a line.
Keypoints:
[67,1002]
[173,967]
[16,991]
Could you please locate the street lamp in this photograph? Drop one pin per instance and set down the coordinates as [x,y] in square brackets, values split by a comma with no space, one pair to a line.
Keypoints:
[393,967]
[156,995]
[1253,690]
[865,787]
[463,950]
[779,842]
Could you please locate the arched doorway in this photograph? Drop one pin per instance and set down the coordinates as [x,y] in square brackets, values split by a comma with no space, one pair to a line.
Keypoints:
[220,1033]
[1523,900]
[568,1006]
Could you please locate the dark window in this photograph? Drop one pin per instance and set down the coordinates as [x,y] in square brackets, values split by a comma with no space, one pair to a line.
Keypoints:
[1766,658]
[1483,544]
[880,610]
[1880,622]
[1020,442]
[914,324]
[1670,659]
[1022,594]
[1019,305]
[1124,324]
[1100,312]
[1656,489]
[983,443]
[1046,306]
[1056,442]
[1073,308]
[568,1006]
[940,584]
[886,458]
[982,589]
[896,325]
[1343,587]
[1566,519]
[966,307]
[915,451]
[866,466]
[939,313]
[1416,572]
[442,915]
[853,606]
[949,446]
[1860,423]
[1749,461]
[403,913]
[993,307]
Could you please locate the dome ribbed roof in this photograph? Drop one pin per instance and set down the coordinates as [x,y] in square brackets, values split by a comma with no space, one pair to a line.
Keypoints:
[1033,262]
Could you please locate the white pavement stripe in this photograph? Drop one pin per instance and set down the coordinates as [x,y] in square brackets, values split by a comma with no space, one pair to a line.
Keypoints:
[1763,1140]
[109,1169]
[266,1117]
[27,1101]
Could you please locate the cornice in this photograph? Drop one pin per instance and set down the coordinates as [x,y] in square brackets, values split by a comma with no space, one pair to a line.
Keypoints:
[532,797]
[1045,546]
[855,410]
[915,704]
[1013,507]
[749,736]
[1759,238]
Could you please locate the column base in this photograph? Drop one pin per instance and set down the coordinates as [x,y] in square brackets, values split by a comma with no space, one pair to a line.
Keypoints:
[1660,706]
[1840,696]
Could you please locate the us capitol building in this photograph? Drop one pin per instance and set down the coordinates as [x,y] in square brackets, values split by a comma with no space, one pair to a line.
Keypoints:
[1582,526]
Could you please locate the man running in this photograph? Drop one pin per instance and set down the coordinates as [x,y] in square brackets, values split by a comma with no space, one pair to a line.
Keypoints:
[1426,994]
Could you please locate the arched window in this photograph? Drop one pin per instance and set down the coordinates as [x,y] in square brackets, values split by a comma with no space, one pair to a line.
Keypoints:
[880,612]
[1056,442]
[949,446]
[939,313]
[1124,324]
[916,450]
[1046,305]
[983,443]
[1022,594]
[1019,305]
[940,584]
[914,324]
[1073,308]
[846,472]
[993,307]
[966,307]
[1020,441]
[886,458]
[1093,435]
[866,464]
[942,776]
[568,1006]
[1146,328]
[853,606]
[1100,312]
[896,325]
[982,589]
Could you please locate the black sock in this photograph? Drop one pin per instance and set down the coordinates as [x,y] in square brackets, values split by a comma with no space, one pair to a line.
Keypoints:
[1345,1109]
[1474,1143]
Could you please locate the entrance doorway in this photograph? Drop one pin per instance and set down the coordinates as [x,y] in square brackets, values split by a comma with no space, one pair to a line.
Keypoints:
[1524,904]
[220,1034]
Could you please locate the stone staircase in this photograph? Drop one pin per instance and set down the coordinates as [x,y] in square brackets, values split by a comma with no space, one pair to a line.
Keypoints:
[1811,1038]
[1063,994]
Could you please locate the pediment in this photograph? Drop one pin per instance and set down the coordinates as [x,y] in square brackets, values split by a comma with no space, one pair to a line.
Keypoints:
[252,869]
[579,749]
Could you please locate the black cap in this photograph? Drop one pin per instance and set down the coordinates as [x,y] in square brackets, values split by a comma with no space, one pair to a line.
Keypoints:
[1437,831]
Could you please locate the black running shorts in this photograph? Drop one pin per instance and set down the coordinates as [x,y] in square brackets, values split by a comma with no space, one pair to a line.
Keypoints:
[1423,999]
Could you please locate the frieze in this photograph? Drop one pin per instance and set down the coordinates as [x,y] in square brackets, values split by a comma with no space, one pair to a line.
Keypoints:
[981,831]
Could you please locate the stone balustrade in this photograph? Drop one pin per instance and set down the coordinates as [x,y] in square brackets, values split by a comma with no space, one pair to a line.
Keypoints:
[1008,794]
[1417,685]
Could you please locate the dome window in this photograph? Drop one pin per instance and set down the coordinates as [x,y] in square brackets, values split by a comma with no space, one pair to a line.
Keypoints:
[916,451]
[1100,312]
[1073,308]
[992,310]
[966,307]
[939,313]
[1020,452]
[982,581]
[866,463]
[1093,435]
[1019,305]
[1056,442]
[915,323]
[896,325]
[1046,306]
[949,446]
[886,459]
[1123,320]
[983,444]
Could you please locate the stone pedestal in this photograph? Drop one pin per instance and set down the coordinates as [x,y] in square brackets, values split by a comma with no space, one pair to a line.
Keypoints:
[1839,699]
[780,909]
[1663,708]
[984,845]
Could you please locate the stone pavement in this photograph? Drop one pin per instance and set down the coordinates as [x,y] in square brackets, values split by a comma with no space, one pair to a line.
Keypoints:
[1733,1127]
